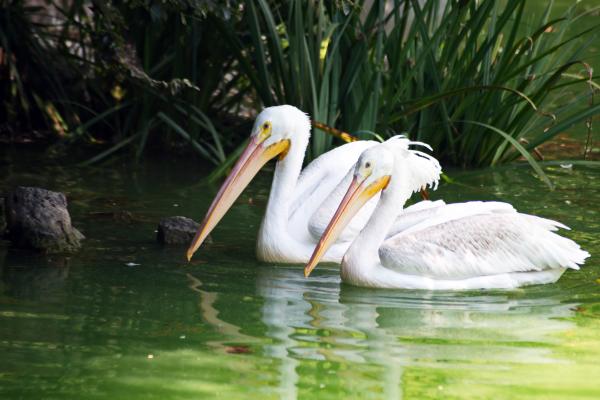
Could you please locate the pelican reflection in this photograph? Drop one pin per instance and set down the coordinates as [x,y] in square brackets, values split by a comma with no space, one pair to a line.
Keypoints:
[319,320]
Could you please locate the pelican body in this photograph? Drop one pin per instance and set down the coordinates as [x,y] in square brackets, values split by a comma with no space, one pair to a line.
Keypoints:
[472,245]
[300,202]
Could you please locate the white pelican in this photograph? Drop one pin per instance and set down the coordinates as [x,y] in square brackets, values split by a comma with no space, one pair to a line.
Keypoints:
[471,245]
[296,213]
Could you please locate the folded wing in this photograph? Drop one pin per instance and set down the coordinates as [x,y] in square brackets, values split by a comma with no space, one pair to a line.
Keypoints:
[479,239]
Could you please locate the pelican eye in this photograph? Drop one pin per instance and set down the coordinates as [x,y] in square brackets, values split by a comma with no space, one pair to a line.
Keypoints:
[368,165]
[265,131]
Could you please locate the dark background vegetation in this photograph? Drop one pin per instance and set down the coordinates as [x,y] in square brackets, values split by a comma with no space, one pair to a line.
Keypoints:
[483,82]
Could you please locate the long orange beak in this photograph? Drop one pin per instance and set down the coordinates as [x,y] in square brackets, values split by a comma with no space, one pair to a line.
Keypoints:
[356,197]
[245,169]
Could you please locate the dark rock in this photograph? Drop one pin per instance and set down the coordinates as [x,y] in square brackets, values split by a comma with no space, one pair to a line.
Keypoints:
[38,218]
[177,230]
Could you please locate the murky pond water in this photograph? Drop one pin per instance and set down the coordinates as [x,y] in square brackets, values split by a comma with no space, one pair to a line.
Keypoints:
[127,318]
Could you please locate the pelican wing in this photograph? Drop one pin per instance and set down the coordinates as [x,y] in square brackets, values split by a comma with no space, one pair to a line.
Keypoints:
[479,244]
[416,215]
[439,212]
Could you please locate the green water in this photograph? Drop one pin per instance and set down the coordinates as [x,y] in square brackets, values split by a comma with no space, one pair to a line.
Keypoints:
[226,326]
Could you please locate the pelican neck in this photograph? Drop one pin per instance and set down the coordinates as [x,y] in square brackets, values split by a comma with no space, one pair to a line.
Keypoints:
[390,206]
[285,179]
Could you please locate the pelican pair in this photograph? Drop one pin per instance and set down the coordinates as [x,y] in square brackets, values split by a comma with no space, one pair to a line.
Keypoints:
[430,245]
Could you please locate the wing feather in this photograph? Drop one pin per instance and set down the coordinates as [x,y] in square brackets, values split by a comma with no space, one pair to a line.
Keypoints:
[477,245]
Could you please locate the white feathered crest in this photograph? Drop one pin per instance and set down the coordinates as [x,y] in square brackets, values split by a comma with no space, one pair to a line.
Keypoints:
[425,170]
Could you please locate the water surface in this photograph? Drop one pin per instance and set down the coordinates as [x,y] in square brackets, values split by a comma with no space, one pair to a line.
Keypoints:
[127,318]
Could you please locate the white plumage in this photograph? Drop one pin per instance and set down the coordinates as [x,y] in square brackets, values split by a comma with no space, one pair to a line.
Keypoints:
[456,246]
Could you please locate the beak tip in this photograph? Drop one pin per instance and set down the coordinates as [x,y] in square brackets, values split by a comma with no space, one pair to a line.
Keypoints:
[307,271]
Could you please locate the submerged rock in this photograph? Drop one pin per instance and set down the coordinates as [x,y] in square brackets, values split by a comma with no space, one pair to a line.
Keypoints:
[123,216]
[38,218]
[176,230]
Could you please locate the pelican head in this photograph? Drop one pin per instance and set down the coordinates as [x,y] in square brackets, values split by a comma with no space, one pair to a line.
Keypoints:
[274,131]
[372,174]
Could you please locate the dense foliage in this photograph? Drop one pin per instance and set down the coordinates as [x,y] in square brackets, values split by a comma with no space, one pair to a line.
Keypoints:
[483,81]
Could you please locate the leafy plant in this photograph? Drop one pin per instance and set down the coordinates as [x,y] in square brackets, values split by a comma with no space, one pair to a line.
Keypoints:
[483,82]
[295,52]
[82,72]
[476,65]
[474,79]
[37,79]
[171,78]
